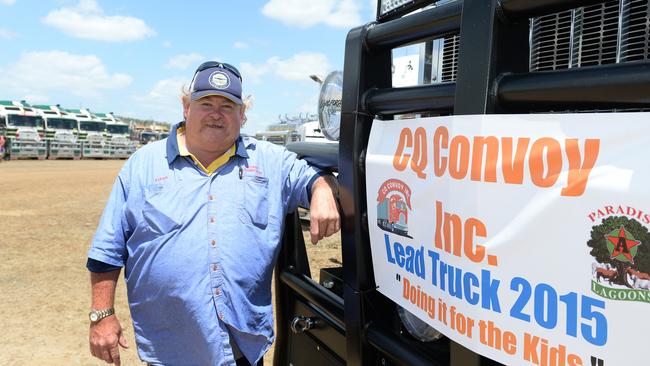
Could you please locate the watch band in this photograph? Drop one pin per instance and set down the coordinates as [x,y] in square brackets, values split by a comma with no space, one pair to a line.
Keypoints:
[97,315]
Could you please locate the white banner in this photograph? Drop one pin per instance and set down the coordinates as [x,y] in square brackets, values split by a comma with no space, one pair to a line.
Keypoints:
[522,237]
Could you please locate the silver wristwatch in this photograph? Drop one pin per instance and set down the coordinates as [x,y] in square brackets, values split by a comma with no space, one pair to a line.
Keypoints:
[97,315]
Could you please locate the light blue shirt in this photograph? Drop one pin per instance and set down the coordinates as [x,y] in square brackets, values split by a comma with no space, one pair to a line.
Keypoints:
[199,250]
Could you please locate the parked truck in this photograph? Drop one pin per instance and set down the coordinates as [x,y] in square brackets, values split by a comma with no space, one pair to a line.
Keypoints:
[92,134]
[23,130]
[60,132]
[118,136]
[490,74]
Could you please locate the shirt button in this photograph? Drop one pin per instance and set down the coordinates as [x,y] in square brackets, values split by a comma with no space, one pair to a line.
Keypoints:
[212,220]
[210,197]
[215,267]
[213,242]
[217,291]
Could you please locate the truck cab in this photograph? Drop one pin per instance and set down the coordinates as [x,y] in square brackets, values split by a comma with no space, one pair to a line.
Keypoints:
[60,132]
[23,130]
[92,134]
[417,190]
[118,136]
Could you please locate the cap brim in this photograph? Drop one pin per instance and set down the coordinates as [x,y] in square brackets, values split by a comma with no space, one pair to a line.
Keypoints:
[206,93]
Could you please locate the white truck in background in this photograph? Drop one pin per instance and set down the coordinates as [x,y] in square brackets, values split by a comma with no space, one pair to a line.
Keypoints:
[117,136]
[92,134]
[23,130]
[60,132]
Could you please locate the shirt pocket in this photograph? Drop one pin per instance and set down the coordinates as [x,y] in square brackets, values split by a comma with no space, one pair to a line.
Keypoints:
[163,208]
[254,207]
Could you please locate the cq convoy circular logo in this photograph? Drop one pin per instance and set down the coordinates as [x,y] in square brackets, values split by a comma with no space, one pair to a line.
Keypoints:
[393,205]
[219,80]
[621,250]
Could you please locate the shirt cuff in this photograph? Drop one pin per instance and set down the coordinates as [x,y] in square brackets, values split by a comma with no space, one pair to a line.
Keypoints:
[313,179]
[94,265]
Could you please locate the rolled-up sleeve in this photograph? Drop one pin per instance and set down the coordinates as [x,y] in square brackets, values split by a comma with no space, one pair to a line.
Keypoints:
[109,243]
[299,177]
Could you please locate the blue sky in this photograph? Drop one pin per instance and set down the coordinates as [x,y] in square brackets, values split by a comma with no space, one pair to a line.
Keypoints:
[133,57]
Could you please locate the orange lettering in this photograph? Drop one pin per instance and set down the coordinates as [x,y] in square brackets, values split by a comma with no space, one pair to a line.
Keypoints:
[554,159]
[579,171]
[491,144]
[400,160]
[459,157]
[513,169]
[474,226]
[440,141]
[419,161]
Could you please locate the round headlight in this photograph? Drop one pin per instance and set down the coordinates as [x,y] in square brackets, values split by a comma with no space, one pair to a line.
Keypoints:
[329,105]
[418,328]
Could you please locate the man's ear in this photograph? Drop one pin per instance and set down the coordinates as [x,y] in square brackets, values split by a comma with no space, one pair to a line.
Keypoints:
[186,107]
[242,115]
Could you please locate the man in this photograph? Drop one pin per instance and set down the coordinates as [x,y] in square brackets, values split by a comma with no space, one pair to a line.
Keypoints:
[196,221]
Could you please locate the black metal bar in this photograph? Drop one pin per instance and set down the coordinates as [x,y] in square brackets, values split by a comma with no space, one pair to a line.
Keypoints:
[324,155]
[293,254]
[619,86]
[325,300]
[438,97]
[523,9]
[431,23]
[396,349]
[360,73]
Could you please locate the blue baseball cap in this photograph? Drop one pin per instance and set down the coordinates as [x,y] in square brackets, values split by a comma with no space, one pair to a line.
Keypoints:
[217,78]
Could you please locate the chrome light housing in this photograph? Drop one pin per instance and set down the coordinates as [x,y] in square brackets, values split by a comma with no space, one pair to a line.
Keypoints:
[329,105]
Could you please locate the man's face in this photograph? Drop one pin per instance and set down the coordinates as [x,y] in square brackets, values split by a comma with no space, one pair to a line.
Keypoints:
[212,123]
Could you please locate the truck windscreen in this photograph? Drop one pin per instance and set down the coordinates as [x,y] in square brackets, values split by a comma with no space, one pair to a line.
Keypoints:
[25,121]
[92,126]
[118,129]
[62,123]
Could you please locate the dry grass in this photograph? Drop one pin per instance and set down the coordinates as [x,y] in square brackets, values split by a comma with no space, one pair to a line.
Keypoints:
[48,214]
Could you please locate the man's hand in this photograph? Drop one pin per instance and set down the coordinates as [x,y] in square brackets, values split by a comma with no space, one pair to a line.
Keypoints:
[323,208]
[105,336]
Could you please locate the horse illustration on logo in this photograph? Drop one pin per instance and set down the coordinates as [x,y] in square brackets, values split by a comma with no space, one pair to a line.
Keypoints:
[393,205]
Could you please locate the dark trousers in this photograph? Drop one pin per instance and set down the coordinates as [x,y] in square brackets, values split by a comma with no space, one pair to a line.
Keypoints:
[244,362]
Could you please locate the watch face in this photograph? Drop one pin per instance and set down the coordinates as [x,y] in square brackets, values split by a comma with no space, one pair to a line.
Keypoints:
[93,316]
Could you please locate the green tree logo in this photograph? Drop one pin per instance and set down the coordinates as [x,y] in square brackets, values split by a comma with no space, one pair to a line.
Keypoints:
[622,243]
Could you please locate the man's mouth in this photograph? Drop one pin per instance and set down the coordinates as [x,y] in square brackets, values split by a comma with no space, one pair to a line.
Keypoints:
[213,125]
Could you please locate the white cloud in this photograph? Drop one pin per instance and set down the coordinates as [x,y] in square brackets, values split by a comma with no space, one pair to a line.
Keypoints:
[183,61]
[87,20]
[297,68]
[240,45]
[162,102]
[302,14]
[6,34]
[43,73]
[8,2]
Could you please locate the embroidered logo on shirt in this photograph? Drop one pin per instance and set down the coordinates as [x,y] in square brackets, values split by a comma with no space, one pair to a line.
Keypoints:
[253,170]
[161,178]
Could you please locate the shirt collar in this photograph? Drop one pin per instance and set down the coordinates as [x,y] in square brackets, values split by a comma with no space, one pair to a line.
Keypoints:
[172,145]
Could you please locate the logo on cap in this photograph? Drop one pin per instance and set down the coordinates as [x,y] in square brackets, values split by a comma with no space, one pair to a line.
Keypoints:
[219,80]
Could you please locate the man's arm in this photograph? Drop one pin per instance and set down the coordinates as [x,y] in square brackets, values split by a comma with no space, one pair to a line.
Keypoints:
[106,334]
[323,208]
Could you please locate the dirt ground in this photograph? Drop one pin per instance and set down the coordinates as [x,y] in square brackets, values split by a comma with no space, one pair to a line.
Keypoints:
[48,214]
